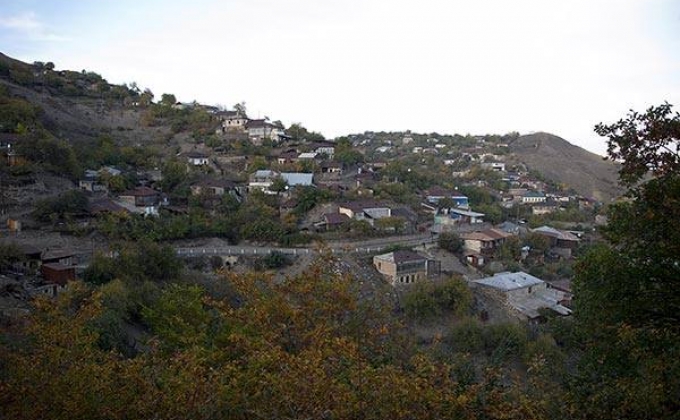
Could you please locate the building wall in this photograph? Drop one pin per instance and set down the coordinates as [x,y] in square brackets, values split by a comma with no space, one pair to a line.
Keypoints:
[473,245]
[525,291]
[405,273]
[346,211]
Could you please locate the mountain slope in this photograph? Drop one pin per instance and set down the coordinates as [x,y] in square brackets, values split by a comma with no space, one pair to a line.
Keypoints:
[561,161]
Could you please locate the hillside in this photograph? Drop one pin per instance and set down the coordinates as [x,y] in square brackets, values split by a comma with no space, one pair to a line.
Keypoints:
[80,106]
[560,161]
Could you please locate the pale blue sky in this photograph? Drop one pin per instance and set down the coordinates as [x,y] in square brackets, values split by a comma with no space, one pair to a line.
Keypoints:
[488,66]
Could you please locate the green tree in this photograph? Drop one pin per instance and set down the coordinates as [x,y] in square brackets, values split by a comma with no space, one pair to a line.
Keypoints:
[427,299]
[179,317]
[299,132]
[450,241]
[279,185]
[66,205]
[627,292]
[168,99]
[644,143]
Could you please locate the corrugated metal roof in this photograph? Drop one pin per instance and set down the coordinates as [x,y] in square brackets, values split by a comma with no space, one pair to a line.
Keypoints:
[509,281]
[297,178]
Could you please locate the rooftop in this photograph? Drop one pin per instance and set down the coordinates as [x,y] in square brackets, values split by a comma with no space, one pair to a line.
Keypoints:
[466,213]
[362,205]
[485,235]
[554,233]
[509,281]
[401,256]
[297,178]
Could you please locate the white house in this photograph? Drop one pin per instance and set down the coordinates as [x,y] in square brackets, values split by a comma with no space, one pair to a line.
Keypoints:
[197,158]
[532,197]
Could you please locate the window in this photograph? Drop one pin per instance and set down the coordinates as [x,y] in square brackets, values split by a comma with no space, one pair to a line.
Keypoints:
[529,289]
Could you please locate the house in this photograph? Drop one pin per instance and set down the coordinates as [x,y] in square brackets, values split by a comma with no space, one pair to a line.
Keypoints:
[324,147]
[141,196]
[105,206]
[523,294]
[298,179]
[434,194]
[544,208]
[562,242]
[474,259]
[484,242]
[532,197]
[143,200]
[197,158]
[446,219]
[233,120]
[32,257]
[494,166]
[55,273]
[289,156]
[262,129]
[509,227]
[215,187]
[308,156]
[331,168]
[405,267]
[58,256]
[332,221]
[365,210]
[92,180]
[261,180]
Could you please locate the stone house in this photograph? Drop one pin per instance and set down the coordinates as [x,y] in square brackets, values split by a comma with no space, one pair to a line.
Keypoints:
[404,267]
[523,294]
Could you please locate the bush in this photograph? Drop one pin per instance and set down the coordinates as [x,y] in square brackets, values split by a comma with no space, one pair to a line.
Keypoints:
[428,300]
[273,261]
[449,241]
[101,270]
[467,336]
[503,340]
[70,203]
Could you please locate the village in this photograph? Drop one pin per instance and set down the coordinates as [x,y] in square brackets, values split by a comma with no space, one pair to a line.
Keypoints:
[433,205]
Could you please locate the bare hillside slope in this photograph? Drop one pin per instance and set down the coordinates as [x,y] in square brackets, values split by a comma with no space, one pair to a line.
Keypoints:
[561,161]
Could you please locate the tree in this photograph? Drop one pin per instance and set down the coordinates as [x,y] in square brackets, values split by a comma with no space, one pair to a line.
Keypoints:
[240,108]
[146,98]
[10,254]
[644,143]
[299,132]
[627,292]
[168,99]
[429,299]
[450,242]
[538,242]
[278,185]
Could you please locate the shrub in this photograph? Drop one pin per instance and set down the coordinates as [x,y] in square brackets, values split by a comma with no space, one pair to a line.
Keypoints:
[427,299]
[467,336]
[502,340]
[449,241]
[273,261]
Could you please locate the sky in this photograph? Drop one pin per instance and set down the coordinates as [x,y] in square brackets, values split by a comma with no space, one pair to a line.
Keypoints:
[349,66]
